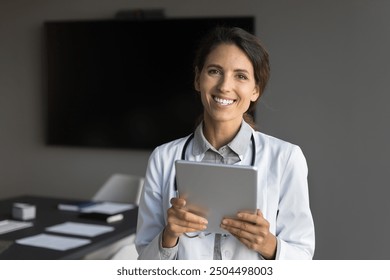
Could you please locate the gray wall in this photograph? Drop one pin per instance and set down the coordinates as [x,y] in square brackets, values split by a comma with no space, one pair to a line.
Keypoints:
[328,93]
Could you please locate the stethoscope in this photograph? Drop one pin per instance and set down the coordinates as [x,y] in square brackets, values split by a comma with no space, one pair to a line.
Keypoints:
[183,157]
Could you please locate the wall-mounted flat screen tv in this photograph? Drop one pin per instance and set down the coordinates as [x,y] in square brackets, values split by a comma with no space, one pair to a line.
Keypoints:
[123,83]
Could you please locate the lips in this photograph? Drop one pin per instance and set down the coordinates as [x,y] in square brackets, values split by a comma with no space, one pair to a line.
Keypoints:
[223,102]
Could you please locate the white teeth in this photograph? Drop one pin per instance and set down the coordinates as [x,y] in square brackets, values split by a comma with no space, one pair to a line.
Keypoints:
[223,101]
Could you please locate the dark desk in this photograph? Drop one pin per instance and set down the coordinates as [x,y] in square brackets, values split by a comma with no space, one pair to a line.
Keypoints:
[47,215]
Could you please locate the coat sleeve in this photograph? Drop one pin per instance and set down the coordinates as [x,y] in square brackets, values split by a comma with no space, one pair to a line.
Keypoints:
[294,223]
[151,220]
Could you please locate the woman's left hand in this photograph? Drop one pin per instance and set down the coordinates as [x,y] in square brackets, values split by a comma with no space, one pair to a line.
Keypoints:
[252,230]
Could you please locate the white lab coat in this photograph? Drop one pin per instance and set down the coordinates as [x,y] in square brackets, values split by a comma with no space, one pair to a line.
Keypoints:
[282,197]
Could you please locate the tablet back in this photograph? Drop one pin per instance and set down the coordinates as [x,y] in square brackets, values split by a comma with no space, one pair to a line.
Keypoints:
[215,191]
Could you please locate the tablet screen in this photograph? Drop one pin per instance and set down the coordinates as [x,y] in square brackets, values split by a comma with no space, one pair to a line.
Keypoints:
[215,191]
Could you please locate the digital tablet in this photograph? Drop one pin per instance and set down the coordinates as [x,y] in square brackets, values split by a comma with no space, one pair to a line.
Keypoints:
[215,191]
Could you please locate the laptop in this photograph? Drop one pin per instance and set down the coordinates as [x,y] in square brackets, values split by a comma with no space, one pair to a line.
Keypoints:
[215,191]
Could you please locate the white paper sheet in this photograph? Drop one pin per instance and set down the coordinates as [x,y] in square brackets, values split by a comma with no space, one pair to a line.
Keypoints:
[54,242]
[108,207]
[80,229]
[11,225]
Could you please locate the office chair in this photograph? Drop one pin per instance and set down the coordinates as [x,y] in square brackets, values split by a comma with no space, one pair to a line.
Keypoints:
[127,252]
[123,188]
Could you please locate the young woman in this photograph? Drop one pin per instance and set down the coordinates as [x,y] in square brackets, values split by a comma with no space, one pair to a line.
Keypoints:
[231,72]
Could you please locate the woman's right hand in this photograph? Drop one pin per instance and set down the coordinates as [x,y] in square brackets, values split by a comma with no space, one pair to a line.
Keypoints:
[180,220]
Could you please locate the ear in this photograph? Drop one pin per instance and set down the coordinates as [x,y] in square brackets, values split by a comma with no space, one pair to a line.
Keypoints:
[255,94]
[196,81]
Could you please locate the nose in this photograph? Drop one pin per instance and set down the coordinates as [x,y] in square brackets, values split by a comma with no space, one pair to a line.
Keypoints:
[225,83]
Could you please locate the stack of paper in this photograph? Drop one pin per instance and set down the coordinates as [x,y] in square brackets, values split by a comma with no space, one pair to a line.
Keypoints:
[11,225]
[108,208]
[65,243]
[54,242]
[80,229]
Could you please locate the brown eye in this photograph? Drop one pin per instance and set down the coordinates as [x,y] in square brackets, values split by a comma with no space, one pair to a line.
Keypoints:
[214,72]
[242,77]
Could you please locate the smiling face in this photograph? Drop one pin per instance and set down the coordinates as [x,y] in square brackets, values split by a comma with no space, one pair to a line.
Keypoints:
[227,85]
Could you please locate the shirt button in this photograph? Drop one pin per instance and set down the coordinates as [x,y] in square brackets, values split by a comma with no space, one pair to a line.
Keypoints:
[228,254]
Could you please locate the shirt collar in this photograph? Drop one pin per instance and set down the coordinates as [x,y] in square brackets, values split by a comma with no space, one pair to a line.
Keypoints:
[239,144]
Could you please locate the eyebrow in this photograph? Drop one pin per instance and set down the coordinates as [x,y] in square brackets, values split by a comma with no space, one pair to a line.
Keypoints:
[220,67]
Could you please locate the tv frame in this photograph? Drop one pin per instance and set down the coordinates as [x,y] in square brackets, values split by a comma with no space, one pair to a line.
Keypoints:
[66,123]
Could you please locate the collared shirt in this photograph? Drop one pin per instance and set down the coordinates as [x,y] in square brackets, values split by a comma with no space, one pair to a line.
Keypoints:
[231,153]
[282,197]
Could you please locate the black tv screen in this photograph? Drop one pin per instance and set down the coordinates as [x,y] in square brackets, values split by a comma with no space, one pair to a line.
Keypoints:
[124,83]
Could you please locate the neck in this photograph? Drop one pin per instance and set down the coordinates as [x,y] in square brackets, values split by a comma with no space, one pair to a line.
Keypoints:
[220,134]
